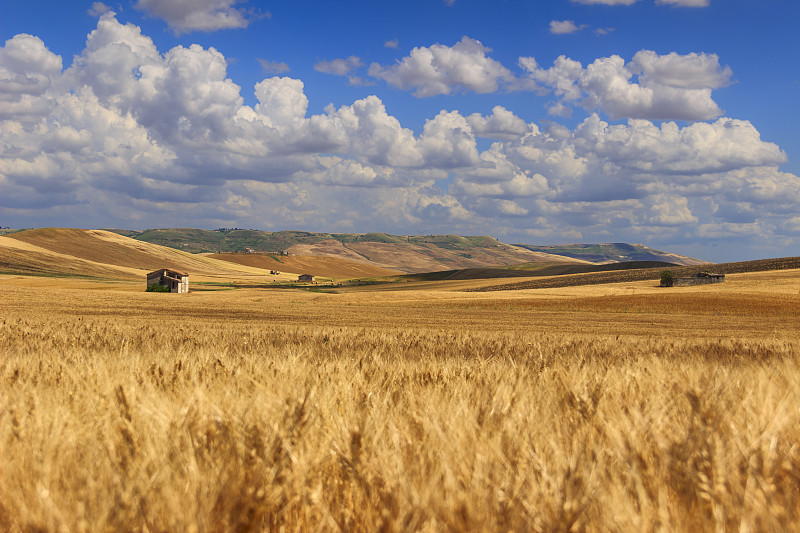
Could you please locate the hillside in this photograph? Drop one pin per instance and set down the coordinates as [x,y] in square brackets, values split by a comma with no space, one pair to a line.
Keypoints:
[328,267]
[98,254]
[545,270]
[644,274]
[407,253]
[613,253]
[419,253]
[19,257]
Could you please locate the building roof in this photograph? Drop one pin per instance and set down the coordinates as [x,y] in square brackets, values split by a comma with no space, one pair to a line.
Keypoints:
[168,271]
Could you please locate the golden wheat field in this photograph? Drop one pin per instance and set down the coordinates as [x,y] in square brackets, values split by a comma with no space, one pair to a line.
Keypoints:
[622,407]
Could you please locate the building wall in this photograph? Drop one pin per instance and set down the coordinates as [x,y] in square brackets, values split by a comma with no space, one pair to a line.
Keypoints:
[685,282]
[174,286]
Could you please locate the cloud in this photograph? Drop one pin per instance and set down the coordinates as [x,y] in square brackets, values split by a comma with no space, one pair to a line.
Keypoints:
[677,3]
[393,43]
[27,71]
[668,86]
[198,15]
[685,3]
[690,71]
[607,2]
[272,67]
[440,69]
[561,27]
[501,124]
[98,9]
[339,67]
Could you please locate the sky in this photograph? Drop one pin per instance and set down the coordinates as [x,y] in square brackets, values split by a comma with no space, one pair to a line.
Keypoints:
[671,123]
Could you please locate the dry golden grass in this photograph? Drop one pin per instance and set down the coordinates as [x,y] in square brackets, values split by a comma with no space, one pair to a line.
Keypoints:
[329,267]
[617,408]
[104,254]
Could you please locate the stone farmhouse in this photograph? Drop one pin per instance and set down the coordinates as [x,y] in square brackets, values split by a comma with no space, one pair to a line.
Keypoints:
[701,278]
[176,281]
[305,277]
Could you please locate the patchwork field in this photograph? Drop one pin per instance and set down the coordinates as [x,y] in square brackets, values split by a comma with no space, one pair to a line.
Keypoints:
[623,407]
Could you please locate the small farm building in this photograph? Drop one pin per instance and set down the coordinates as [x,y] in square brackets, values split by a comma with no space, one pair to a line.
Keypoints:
[175,280]
[701,278]
[305,277]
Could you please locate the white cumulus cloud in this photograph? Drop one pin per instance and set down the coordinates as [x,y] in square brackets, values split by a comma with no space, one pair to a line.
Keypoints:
[650,86]
[685,3]
[561,27]
[203,15]
[441,69]
[340,67]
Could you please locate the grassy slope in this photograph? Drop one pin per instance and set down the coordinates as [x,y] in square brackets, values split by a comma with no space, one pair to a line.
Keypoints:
[642,274]
[406,253]
[613,252]
[329,267]
[103,254]
[18,257]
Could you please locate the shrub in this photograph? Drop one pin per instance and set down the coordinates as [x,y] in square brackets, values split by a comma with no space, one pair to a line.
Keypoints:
[667,278]
[157,288]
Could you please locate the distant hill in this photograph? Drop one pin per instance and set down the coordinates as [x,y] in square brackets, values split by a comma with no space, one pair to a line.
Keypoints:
[615,252]
[406,253]
[544,270]
[410,254]
[357,255]
[643,274]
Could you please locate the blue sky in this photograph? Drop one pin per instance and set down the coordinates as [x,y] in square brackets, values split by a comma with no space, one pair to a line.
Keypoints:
[666,122]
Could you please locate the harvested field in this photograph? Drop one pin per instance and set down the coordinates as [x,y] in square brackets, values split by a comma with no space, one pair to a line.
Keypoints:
[116,252]
[329,267]
[619,407]
[628,275]
[427,257]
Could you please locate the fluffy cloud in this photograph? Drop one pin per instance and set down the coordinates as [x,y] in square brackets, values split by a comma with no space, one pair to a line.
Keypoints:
[635,177]
[560,27]
[685,3]
[440,69]
[501,124]
[671,86]
[607,2]
[27,70]
[273,67]
[679,3]
[204,15]
[340,67]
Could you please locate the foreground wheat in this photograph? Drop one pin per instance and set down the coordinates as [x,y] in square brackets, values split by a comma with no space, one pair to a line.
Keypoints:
[130,427]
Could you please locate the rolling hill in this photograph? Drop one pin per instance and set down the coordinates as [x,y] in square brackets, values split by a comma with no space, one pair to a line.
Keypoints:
[127,254]
[328,267]
[407,253]
[623,275]
[613,253]
[99,254]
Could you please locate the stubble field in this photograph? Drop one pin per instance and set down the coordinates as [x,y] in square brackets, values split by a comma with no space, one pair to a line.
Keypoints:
[621,407]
